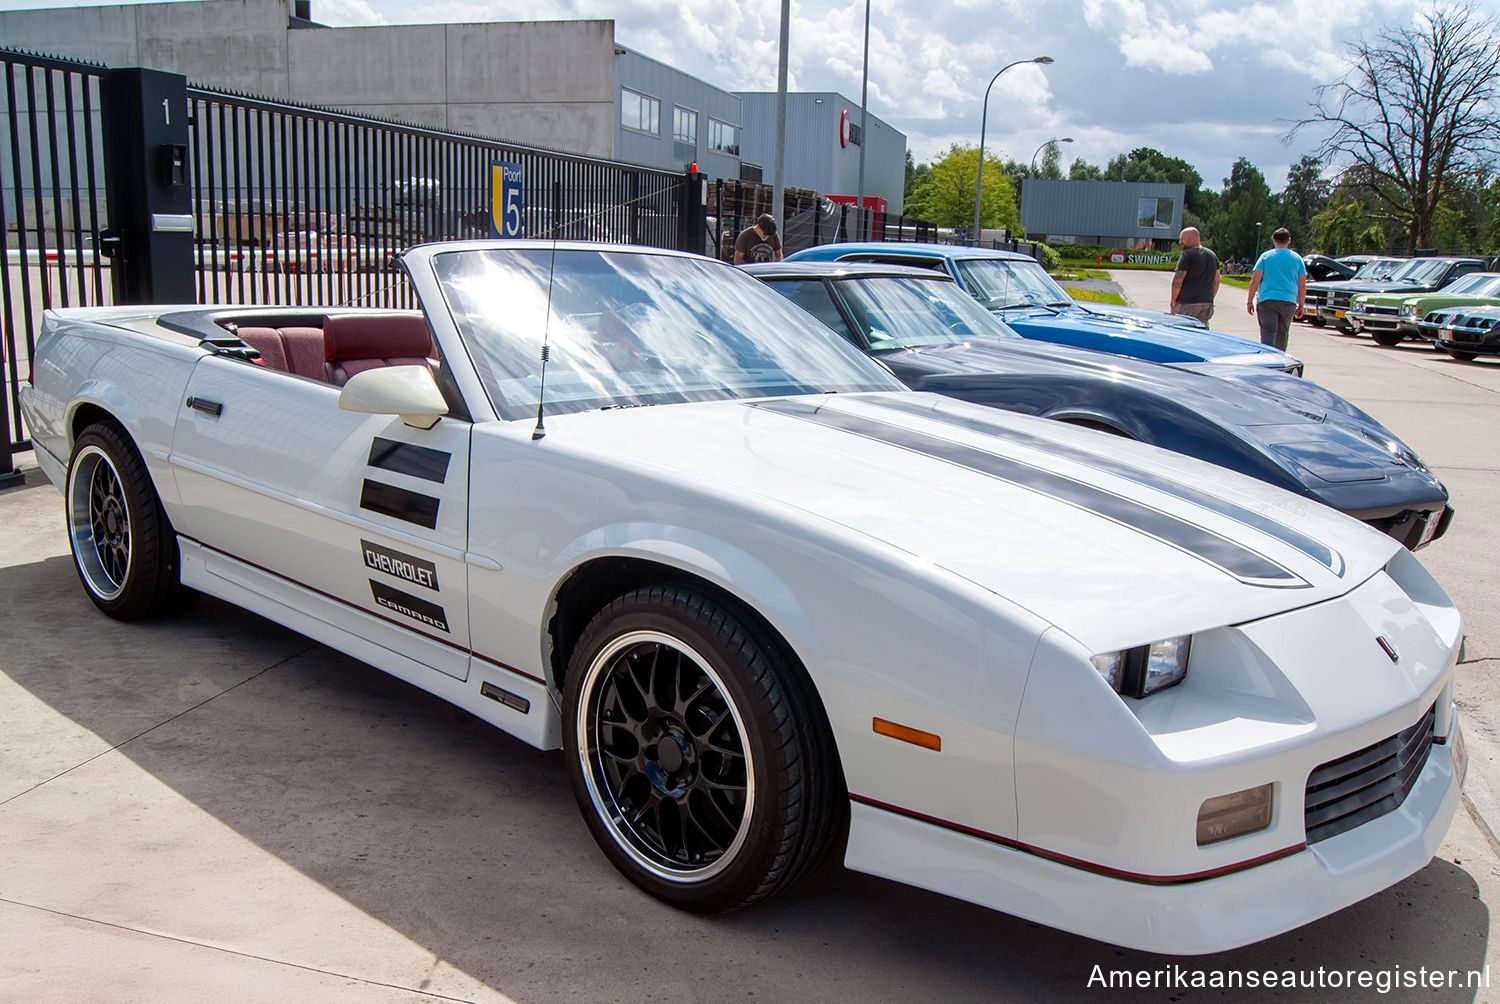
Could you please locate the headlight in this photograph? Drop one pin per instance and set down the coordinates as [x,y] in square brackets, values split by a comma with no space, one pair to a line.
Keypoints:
[1136,672]
[1408,311]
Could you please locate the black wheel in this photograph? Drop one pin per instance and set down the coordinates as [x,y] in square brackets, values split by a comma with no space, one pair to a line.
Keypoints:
[1318,322]
[703,769]
[1386,338]
[1463,357]
[123,546]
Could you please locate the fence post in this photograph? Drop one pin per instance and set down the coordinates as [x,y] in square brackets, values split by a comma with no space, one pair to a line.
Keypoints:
[146,180]
[692,214]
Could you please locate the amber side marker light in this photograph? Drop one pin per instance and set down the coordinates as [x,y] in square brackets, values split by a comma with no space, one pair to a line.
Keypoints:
[907,734]
[1234,815]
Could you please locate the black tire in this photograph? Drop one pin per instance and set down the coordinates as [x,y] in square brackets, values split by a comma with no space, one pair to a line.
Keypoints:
[1318,322]
[1463,357]
[1387,338]
[702,763]
[123,546]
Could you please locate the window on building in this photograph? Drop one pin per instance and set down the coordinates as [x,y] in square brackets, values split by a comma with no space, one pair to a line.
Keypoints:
[639,112]
[685,126]
[723,137]
[1156,213]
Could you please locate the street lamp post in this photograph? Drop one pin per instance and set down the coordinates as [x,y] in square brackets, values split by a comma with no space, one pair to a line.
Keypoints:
[1054,139]
[983,118]
[1257,238]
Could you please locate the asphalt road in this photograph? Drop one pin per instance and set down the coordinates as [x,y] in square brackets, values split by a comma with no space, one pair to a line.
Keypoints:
[212,807]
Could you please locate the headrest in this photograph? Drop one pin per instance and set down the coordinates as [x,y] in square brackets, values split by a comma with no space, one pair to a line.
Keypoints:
[375,336]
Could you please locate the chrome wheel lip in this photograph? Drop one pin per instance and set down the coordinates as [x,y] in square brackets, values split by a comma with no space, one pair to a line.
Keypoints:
[605,807]
[92,466]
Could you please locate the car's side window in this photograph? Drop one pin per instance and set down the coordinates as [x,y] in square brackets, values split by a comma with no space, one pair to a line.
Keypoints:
[812,296]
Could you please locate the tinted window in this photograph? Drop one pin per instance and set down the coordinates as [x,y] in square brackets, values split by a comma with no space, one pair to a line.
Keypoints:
[626,329]
[812,296]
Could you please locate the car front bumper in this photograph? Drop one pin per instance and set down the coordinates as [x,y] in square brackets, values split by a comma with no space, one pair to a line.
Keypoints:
[1480,341]
[1193,916]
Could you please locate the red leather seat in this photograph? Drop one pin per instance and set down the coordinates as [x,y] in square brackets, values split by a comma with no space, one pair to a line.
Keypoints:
[353,343]
[295,350]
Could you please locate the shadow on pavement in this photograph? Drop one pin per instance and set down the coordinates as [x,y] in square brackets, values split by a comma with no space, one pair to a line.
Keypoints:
[468,842]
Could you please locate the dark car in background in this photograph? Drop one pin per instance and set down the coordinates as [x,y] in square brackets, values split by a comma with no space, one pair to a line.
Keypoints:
[1319,313]
[1273,426]
[1322,268]
[1022,294]
[1466,333]
[1418,275]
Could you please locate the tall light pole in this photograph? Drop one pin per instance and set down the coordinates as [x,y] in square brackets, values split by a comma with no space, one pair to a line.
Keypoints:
[1054,139]
[1257,238]
[864,130]
[778,189]
[983,118]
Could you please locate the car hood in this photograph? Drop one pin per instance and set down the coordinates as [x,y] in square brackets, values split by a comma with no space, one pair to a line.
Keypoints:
[1141,314]
[1167,343]
[1369,286]
[1114,542]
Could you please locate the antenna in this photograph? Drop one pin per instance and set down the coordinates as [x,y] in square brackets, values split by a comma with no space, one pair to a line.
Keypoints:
[541,395]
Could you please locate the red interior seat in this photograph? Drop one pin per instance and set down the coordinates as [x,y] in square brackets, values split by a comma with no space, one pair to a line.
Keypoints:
[266,341]
[292,350]
[353,343]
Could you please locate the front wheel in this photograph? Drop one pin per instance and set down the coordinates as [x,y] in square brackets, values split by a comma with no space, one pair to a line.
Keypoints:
[123,547]
[1463,357]
[1386,338]
[696,753]
[1318,322]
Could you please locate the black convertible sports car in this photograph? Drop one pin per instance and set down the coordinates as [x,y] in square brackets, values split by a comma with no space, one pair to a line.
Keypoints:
[1282,429]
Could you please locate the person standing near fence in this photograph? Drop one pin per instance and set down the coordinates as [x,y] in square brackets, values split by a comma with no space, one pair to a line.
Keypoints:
[1280,278]
[758,243]
[1196,281]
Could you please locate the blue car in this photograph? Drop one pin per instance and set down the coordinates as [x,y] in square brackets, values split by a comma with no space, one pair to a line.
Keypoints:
[1024,295]
[1270,425]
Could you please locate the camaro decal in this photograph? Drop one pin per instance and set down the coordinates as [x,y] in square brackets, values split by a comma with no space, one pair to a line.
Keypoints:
[1239,561]
[398,503]
[1319,552]
[407,605]
[404,458]
[418,571]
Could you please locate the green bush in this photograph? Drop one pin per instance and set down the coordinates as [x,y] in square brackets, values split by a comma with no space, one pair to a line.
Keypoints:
[1049,258]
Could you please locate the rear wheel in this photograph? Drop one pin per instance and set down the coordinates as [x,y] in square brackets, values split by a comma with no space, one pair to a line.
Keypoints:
[698,759]
[1386,338]
[123,547]
[1463,357]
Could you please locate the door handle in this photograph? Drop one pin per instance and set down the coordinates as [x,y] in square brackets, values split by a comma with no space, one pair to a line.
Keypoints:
[206,406]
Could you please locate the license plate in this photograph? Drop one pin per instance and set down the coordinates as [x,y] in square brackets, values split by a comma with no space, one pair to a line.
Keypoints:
[1340,314]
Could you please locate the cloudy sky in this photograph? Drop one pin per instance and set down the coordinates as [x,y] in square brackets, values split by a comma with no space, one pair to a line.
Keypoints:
[1205,80]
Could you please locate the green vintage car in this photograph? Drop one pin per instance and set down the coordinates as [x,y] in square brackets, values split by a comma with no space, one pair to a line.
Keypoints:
[1390,317]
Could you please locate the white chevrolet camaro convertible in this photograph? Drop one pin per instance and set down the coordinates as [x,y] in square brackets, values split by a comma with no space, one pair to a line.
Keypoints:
[635,504]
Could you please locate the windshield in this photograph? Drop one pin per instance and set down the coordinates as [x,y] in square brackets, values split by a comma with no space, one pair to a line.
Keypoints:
[1421,271]
[626,329]
[1476,284]
[1380,268]
[999,283]
[905,312]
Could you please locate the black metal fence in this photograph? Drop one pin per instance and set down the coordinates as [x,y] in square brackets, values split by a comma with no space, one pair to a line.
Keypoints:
[295,204]
[51,206]
[809,219]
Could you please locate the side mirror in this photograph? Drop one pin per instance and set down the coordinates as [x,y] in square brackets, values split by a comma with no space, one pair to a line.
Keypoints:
[408,391]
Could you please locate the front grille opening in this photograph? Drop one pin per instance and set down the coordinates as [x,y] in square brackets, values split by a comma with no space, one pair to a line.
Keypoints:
[1366,784]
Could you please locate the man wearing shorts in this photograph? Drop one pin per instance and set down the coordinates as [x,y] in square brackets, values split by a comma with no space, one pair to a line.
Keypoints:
[1196,282]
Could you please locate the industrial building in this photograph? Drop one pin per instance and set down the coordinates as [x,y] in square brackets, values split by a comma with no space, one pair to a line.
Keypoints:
[560,85]
[823,140]
[1123,214]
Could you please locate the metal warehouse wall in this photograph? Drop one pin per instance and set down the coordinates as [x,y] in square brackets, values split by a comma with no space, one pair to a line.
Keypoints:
[672,88]
[1096,212]
[814,158]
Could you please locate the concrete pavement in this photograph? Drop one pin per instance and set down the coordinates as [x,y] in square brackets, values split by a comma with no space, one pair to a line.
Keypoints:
[212,807]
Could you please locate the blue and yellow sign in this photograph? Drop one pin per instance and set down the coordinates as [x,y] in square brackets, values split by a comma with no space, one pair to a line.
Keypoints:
[506,200]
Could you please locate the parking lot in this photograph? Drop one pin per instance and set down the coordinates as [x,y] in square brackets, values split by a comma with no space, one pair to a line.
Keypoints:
[213,807]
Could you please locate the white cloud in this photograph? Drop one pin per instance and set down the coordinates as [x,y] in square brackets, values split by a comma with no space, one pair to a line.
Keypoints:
[347,13]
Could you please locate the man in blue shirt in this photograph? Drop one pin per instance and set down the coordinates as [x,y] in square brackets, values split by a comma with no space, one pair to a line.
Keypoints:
[1281,279]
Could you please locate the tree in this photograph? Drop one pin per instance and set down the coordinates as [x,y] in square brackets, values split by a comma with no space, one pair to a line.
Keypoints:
[1082,170]
[946,195]
[1416,108]
[915,173]
[1305,195]
[1245,202]
[1051,168]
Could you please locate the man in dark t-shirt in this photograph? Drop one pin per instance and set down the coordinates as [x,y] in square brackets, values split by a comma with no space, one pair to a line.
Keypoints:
[758,243]
[1196,281]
